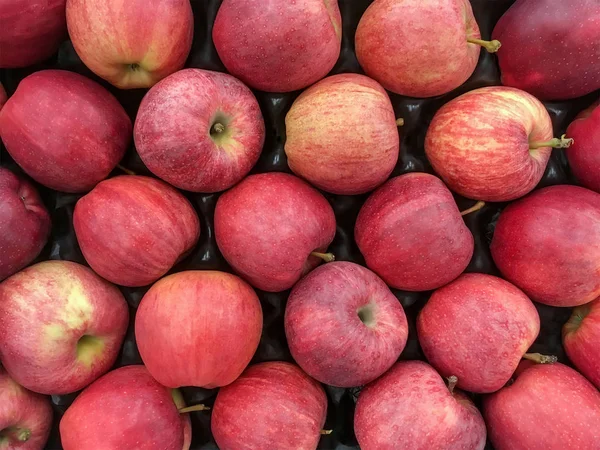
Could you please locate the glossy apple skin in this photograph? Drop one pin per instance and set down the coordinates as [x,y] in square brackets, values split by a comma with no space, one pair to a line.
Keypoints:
[66,131]
[412,235]
[477,328]
[24,223]
[548,244]
[548,407]
[479,143]
[326,335]
[31,31]
[44,311]
[28,416]
[111,35]
[281,46]
[133,229]
[410,408]
[267,226]
[341,135]
[125,409]
[584,153]
[581,340]
[546,47]
[399,44]
[198,328]
[271,405]
[173,130]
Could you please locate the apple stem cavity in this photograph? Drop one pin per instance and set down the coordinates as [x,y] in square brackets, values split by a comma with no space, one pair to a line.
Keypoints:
[125,169]
[576,318]
[562,142]
[490,46]
[193,408]
[540,359]
[18,434]
[400,122]
[476,207]
[366,314]
[327,257]
[452,381]
[326,432]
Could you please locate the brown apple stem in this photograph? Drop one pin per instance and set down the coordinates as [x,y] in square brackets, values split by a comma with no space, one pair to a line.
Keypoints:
[125,169]
[562,142]
[539,358]
[452,381]
[400,122]
[327,257]
[217,128]
[476,207]
[490,46]
[326,432]
[193,408]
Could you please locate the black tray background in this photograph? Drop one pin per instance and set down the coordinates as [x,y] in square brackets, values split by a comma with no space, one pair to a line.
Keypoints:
[417,114]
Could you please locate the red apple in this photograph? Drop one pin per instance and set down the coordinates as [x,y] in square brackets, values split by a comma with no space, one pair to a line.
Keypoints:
[280,46]
[584,154]
[400,44]
[198,328]
[24,223]
[272,229]
[411,233]
[343,325]
[491,143]
[549,48]
[411,408]
[199,130]
[25,417]
[477,328]
[126,409]
[131,43]
[61,326]
[133,229]
[342,135]
[581,340]
[31,31]
[65,130]
[548,407]
[548,244]
[3,96]
[271,405]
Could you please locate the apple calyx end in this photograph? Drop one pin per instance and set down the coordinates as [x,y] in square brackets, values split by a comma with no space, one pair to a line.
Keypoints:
[491,46]
[400,122]
[562,142]
[217,128]
[538,358]
[325,432]
[476,207]
[193,408]
[327,257]
[452,382]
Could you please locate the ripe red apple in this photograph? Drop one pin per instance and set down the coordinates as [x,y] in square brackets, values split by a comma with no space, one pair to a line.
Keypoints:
[24,223]
[400,44]
[198,328]
[281,46]
[410,407]
[342,135]
[126,409]
[199,130]
[412,235]
[477,328]
[133,229]
[61,326]
[25,417]
[492,143]
[271,405]
[584,154]
[31,31]
[548,244]
[343,325]
[548,407]
[3,96]
[549,47]
[272,229]
[65,130]
[581,340]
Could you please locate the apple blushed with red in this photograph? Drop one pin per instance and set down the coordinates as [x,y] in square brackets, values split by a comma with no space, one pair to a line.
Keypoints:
[584,153]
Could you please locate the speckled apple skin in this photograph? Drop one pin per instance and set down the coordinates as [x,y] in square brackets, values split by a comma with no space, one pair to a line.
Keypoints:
[477,328]
[410,408]
[584,153]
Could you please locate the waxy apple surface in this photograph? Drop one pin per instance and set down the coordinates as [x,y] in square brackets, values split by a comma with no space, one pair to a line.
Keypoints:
[584,153]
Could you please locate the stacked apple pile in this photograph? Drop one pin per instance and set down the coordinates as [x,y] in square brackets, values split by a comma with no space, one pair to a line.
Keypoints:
[145,226]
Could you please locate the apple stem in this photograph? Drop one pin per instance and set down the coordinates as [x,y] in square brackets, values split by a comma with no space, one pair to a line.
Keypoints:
[490,46]
[452,381]
[476,207]
[193,408]
[125,169]
[217,128]
[400,122]
[539,358]
[562,142]
[326,432]
[327,257]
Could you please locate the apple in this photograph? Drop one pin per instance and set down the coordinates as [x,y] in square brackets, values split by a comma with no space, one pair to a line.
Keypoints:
[66,131]
[547,50]
[25,417]
[344,327]
[400,44]
[492,143]
[271,405]
[342,135]
[24,223]
[584,154]
[199,130]
[3,96]
[478,328]
[126,409]
[581,340]
[548,407]
[198,328]
[412,235]
[31,31]
[548,244]
[61,326]
[281,46]
[133,229]
[273,228]
[411,408]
